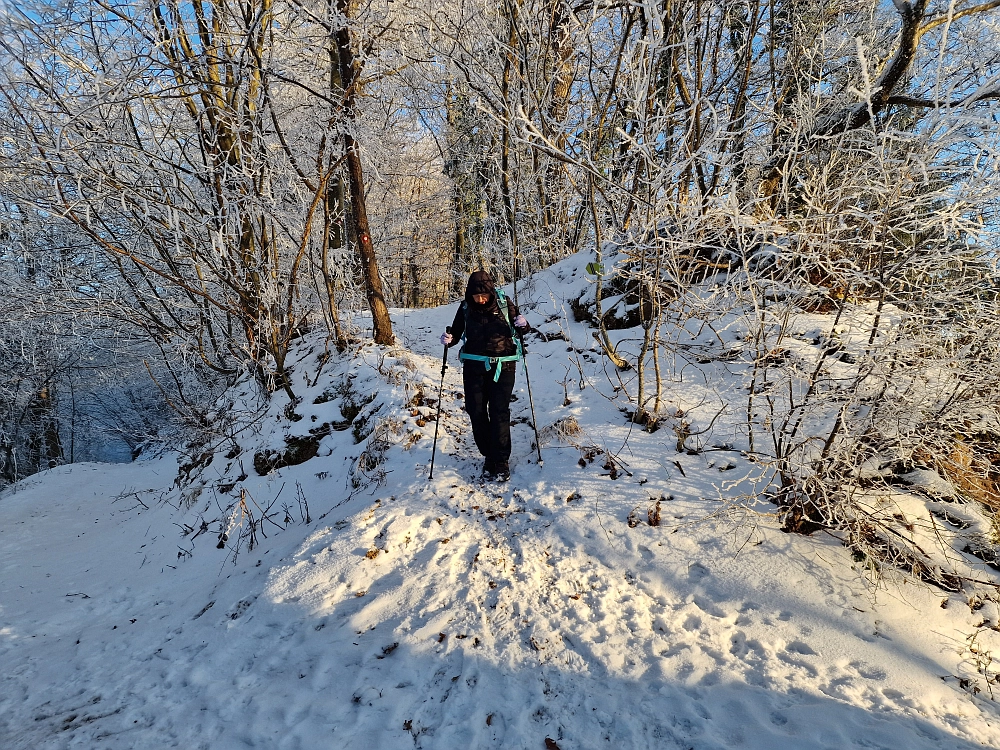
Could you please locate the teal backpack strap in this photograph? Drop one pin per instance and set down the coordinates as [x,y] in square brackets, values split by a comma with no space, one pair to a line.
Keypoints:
[502,302]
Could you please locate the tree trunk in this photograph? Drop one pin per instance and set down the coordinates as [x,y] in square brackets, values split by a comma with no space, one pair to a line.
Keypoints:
[381,322]
[334,207]
[333,242]
[44,444]
[555,208]
[366,253]
[460,260]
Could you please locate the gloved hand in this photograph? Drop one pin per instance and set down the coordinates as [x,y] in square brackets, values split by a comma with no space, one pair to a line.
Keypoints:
[446,339]
[520,322]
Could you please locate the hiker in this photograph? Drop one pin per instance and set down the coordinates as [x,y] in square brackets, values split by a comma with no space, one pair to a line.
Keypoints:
[489,327]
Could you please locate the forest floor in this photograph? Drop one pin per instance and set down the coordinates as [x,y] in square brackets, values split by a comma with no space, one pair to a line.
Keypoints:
[357,603]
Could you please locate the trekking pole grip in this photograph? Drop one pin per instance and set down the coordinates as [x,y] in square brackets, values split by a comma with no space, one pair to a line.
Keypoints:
[444,359]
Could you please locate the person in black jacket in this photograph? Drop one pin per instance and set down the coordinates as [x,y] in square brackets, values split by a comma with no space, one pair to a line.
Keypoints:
[489,357]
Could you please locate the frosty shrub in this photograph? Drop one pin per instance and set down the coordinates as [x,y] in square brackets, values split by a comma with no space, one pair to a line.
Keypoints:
[883,260]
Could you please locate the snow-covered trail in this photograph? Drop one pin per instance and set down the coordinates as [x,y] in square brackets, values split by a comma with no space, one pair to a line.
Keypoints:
[485,620]
[447,614]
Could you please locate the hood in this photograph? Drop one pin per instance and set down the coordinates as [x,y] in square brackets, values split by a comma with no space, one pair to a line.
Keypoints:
[480,283]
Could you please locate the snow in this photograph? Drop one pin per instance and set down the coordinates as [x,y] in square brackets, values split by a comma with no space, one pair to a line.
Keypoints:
[448,614]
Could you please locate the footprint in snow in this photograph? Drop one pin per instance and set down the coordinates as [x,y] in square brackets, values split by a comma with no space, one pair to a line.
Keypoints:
[697,572]
[798,647]
[241,607]
[868,671]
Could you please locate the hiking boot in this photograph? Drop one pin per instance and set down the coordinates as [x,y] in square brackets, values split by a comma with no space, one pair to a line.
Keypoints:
[501,471]
[489,471]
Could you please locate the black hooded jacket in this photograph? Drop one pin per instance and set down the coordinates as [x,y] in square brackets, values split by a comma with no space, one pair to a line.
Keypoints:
[486,331]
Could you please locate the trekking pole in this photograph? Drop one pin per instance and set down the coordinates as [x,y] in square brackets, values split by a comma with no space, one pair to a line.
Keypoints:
[527,379]
[511,212]
[437,422]
[531,401]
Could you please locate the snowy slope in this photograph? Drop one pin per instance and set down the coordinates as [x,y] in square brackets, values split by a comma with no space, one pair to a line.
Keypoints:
[444,614]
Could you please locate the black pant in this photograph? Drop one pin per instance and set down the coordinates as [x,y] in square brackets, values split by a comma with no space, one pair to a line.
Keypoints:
[488,404]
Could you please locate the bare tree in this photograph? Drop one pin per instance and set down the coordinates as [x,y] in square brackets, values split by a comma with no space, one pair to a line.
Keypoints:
[180,145]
